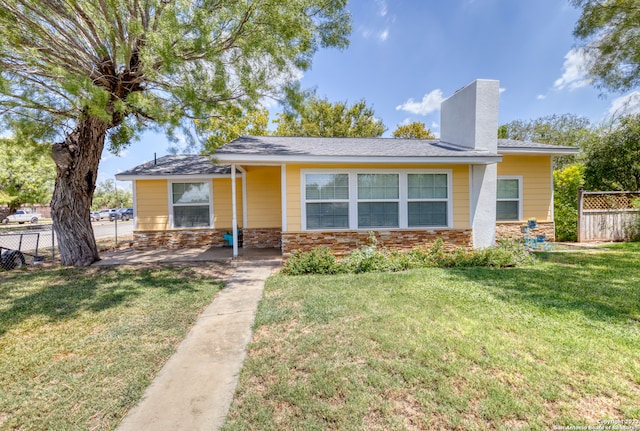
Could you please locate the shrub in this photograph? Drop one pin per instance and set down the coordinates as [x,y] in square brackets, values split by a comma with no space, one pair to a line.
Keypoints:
[370,258]
[565,199]
[318,261]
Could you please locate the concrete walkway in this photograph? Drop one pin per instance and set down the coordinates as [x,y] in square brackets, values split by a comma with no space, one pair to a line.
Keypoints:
[194,389]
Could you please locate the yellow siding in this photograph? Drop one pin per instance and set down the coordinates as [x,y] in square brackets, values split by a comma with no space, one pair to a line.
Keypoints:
[152,204]
[264,202]
[222,213]
[294,210]
[536,184]
[460,185]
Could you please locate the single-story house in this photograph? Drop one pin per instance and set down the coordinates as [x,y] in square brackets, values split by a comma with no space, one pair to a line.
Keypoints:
[468,187]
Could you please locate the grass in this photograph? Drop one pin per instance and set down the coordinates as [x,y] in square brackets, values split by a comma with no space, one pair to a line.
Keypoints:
[79,346]
[553,344]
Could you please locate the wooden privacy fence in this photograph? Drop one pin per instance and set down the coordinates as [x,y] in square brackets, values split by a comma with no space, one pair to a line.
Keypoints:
[607,216]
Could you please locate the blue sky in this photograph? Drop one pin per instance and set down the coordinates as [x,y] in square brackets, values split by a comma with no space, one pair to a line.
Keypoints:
[406,56]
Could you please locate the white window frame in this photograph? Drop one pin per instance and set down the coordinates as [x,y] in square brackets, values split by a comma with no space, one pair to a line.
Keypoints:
[520,196]
[448,199]
[403,207]
[208,182]
[305,201]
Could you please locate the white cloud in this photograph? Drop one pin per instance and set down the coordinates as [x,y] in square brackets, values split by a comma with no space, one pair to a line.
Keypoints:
[502,90]
[365,32]
[541,96]
[429,103]
[382,7]
[383,35]
[574,73]
[626,105]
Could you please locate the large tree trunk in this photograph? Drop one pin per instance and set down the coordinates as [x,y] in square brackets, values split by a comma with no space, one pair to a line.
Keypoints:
[77,159]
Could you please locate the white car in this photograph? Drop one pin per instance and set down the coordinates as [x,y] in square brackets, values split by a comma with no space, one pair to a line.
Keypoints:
[104,214]
[22,216]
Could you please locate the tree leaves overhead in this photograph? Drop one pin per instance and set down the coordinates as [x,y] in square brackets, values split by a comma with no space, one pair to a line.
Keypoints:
[610,31]
[134,62]
[321,118]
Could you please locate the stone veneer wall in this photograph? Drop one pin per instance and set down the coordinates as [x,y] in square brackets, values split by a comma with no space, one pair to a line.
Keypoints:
[511,230]
[342,242]
[261,238]
[182,238]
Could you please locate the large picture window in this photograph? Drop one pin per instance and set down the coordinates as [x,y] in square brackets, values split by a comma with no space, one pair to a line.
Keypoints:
[191,204]
[377,199]
[428,196]
[509,199]
[327,201]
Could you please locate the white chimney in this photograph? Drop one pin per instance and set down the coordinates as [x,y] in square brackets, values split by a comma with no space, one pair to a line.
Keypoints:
[469,118]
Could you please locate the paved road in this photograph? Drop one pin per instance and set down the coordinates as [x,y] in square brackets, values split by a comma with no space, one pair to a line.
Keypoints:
[107,229]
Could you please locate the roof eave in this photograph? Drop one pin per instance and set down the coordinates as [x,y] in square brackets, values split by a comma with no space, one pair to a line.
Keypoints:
[133,177]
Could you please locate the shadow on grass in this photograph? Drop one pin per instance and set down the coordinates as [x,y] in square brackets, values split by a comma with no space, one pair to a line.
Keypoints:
[601,286]
[60,294]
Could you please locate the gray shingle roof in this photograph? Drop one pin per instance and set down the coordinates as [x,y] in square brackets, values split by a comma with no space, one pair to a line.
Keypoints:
[291,147]
[512,143]
[344,147]
[178,165]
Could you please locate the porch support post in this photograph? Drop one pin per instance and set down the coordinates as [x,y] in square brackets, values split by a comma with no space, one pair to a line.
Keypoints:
[234,215]
[283,194]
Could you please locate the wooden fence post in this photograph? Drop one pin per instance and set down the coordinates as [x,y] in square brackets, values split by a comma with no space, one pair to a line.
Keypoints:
[580,213]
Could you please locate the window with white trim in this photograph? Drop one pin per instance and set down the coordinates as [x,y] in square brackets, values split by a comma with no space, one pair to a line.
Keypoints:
[191,204]
[375,199]
[327,201]
[378,200]
[509,199]
[428,196]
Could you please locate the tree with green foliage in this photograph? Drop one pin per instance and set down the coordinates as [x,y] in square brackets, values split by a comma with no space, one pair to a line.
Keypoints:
[108,196]
[82,71]
[612,162]
[27,174]
[414,130]
[566,129]
[566,182]
[239,121]
[610,31]
[319,117]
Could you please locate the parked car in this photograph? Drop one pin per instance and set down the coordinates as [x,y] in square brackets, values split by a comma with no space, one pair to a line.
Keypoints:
[95,216]
[123,214]
[22,216]
[104,214]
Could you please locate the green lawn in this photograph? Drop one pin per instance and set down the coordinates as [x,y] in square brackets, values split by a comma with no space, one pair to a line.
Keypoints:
[78,347]
[554,344]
